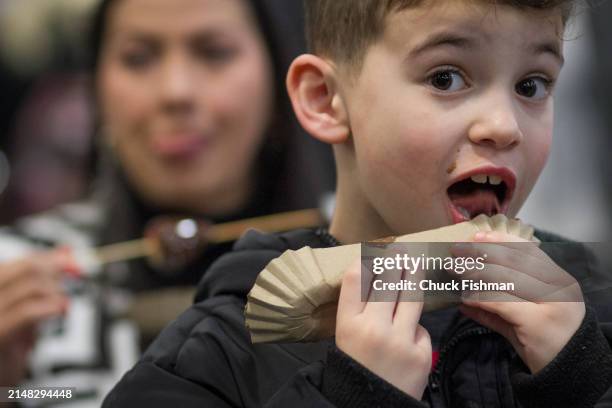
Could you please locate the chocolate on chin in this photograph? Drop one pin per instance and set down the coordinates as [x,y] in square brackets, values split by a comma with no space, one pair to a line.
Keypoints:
[295,297]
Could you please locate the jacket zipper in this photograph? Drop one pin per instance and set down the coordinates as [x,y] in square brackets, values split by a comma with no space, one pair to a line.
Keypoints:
[436,376]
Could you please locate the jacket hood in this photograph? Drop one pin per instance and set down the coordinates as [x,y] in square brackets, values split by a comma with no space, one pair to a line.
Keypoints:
[235,272]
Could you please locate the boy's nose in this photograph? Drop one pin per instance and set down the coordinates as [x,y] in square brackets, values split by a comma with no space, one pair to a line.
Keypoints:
[497,127]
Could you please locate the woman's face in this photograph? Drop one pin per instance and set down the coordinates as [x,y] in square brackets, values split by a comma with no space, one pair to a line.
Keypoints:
[186,91]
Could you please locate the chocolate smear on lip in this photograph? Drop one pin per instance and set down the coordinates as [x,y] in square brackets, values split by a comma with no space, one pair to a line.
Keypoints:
[451,168]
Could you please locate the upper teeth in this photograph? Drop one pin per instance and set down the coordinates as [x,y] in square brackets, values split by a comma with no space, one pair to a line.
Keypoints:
[483,178]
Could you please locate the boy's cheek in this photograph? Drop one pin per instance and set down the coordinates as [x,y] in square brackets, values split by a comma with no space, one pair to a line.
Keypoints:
[536,157]
[525,187]
[538,139]
[541,152]
[403,168]
[404,196]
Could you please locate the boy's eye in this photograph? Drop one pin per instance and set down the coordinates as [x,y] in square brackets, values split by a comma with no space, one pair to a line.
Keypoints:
[448,80]
[533,88]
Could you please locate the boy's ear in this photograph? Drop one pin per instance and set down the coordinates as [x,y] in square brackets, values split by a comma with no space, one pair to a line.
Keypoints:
[314,94]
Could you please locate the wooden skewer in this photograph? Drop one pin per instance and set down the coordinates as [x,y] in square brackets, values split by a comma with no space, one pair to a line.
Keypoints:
[231,231]
[218,233]
[124,251]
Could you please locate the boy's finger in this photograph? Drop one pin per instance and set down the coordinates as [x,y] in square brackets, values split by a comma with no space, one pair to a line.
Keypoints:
[489,320]
[410,305]
[508,307]
[407,315]
[520,285]
[498,237]
[382,300]
[350,303]
[510,241]
[517,258]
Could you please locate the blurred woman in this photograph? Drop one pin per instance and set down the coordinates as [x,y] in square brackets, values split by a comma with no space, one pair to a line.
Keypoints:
[193,120]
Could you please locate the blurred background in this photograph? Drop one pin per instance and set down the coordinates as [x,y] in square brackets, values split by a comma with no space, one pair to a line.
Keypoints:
[49,154]
[45,112]
[573,194]
[46,119]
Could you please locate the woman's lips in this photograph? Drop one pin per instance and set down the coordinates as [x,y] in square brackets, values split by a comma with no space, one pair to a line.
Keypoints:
[179,146]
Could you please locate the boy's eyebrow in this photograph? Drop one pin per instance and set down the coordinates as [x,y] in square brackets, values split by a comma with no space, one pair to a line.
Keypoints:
[549,47]
[464,41]
[440,39]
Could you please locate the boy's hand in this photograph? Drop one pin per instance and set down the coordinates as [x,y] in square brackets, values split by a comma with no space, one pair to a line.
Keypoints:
[543,312]
[384,337]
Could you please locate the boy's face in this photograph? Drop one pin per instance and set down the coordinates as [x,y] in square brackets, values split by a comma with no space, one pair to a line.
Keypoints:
[454,92]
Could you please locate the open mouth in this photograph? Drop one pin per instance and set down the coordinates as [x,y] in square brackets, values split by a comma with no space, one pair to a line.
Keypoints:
[481,192]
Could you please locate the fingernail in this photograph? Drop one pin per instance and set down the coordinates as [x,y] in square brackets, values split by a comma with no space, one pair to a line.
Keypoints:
[480,235]
[71,269]
[68,264]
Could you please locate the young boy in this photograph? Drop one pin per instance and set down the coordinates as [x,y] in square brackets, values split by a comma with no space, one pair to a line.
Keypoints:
[438,111]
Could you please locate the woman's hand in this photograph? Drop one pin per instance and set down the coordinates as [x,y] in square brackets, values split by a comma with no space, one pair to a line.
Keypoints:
[30,292]
[384,337]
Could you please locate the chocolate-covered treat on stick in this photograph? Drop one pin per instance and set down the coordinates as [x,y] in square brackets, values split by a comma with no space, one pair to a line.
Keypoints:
[171,242]
[294,298]
[175,242]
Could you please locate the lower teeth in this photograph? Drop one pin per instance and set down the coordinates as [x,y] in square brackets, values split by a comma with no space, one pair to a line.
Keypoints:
[464,212]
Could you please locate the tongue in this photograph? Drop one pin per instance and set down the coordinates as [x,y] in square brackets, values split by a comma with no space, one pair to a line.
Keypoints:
[477,202]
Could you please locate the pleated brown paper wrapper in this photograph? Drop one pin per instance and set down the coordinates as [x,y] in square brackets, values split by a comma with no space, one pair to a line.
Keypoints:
[295,297]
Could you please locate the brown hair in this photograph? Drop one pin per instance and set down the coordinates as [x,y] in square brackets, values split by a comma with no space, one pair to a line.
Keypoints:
[343,29]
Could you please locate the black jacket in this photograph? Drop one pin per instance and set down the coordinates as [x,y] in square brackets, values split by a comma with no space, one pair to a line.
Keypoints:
[206,359]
